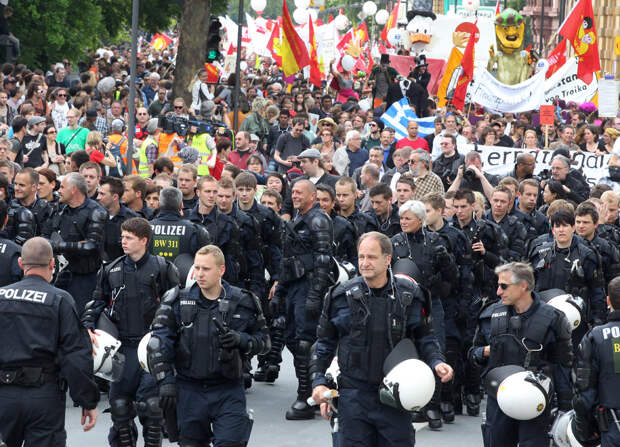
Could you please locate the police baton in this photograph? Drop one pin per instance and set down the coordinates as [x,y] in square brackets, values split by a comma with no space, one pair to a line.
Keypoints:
[172,428]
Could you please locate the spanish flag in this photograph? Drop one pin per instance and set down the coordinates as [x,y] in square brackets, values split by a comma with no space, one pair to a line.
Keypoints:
[315,70]
[160,41]
[293,50]
[391,23]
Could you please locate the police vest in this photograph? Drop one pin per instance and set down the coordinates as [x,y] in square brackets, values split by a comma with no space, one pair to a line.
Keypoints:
[363,350]
[143,168]
[172,238]
[510,338]
[8,251]
[199,355]
[556,271]
[135,295]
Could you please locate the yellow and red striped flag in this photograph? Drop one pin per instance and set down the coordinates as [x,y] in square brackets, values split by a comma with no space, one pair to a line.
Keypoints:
[293,50]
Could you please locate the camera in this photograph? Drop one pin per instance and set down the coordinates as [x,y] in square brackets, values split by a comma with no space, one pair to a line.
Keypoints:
[469,175]
[545,174]
[181,125]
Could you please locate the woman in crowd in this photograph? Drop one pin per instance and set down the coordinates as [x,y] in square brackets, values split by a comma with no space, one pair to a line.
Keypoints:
[55,150]
[590,141]
[48,184]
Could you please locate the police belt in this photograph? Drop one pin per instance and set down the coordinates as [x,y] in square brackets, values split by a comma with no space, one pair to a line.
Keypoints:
[27,376]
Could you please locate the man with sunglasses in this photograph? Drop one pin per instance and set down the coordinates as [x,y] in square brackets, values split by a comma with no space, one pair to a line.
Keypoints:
[522,330]
[373,139]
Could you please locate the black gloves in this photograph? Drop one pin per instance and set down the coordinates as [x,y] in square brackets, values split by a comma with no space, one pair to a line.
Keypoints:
[168,397]
[230,339]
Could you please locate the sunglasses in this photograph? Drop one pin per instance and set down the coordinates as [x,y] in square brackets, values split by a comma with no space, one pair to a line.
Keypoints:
[504,286]
[50,131]
[412,162]
[61,95]
[178,107]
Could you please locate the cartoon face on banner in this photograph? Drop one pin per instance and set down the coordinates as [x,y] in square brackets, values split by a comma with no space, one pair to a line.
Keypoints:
[509,31]
[420,29]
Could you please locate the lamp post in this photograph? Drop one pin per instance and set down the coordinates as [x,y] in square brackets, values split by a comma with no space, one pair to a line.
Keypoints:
[132,85]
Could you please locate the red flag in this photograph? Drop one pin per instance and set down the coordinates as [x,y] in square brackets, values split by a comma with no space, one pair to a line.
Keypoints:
[391,23]
[580,29]
[331,18]
[315,70]
[467,63]
[370,62]
[292,49]
[497,11]
[274,44]
[160,41]
[348,37]
[213,74]
[361,33]
[557,58]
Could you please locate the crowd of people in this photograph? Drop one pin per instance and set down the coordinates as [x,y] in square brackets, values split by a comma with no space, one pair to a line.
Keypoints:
[292,230]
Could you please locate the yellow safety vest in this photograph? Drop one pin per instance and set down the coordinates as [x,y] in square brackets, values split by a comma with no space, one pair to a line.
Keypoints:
[200,143]
[143,168]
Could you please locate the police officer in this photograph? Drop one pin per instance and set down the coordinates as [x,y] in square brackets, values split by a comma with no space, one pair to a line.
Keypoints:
[202,332]
[489,248]
[436,270]
[128,291]
[109,195]
[566,263]
[9,253]
[364,319]
[78,226]
[512,227]
[383,211]
[597,379]
[172,234]
[223,229]
[346,195]
[270,227]
[344,231]
[534,221]
[522,330]
[457,304]
[304,279]
[586,221]
[25,224]
[49,349]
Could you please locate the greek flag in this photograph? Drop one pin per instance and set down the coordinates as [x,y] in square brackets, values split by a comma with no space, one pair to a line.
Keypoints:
[398,116]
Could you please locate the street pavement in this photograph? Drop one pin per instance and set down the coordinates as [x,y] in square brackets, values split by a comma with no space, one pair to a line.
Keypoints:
[269,402]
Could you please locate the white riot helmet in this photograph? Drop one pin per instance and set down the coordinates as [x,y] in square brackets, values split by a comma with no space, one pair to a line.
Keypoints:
[346,271]
[107,361]
[571,306]
[524,395]
[143,353]
[570,436]
[562,431]
[409,386]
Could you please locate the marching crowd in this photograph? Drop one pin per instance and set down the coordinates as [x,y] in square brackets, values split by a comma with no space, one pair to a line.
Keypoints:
[310,226]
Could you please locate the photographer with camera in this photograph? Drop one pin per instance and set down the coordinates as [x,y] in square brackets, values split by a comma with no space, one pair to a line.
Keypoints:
[471,176]
[447,165]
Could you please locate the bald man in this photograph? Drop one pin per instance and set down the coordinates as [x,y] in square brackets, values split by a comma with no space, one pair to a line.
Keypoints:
[40,325]
[306,253]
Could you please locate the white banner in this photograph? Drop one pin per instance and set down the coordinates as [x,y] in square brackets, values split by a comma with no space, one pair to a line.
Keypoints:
[608,99]
[493,95]
[565,85]
[501,161]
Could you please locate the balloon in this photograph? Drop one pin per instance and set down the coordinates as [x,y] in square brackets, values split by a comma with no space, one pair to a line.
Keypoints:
[300,16]
[395,36]
[106,85]
[347,62]
[369,8]
[243,65]
[382,17]
[364,104]
[302,4]
[313,14]
[471,5]
[258,5]
[341,22]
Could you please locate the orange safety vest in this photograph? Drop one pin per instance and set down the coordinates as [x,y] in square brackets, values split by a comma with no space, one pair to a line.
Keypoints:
[164,142]
[115,139]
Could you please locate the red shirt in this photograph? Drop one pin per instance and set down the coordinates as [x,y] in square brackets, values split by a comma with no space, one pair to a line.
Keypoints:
[216,172]
[418,143]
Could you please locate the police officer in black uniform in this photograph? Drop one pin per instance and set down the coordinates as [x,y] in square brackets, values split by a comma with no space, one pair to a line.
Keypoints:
[436,269]
[9,253]
[363,319]
[129,290]
[489,248]
[383,211]
[172,234]
[586,221]
[512,227]
[535,222]
[223,229]
[566,263]
[305,276]
[270,227]
[77,234]
[344,231]
[456,305]
[26,206]
[109,195]
[346,195]
[49,349]
[522,330]
[597,379]
[202,332]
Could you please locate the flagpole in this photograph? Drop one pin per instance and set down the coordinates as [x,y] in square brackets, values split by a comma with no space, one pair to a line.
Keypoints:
[542,28]
[238,69]
[131,126]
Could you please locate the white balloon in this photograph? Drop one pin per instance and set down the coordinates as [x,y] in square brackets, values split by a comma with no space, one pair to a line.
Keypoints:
[258,5]
[382,17]
[471,5]
[300,16]
[364,104]
[302,4]
[243,65]
[369,8]
[395,36]
[347,62]
[341,22]
[314,14]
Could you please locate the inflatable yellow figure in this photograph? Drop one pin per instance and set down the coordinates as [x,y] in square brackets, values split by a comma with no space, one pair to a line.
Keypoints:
[511,60]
